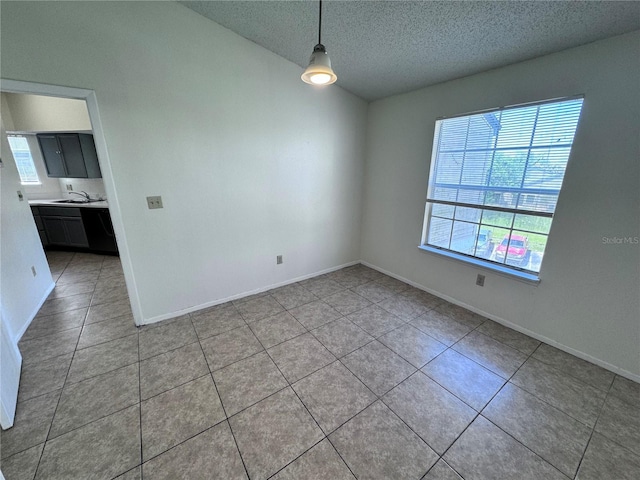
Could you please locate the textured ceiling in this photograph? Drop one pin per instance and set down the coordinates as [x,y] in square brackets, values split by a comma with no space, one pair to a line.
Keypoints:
[381,48]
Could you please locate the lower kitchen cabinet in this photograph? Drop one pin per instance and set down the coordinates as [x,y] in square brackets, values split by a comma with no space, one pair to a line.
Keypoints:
[76,228]
[65,231]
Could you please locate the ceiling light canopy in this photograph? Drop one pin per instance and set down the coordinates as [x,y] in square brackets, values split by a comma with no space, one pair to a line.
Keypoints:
[319,71]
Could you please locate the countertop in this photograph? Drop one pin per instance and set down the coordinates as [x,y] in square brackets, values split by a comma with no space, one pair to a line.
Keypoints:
[53,203]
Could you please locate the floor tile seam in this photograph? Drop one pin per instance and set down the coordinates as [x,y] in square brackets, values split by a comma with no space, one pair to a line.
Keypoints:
[378,397]
[60,297]
[527,447]
[200,339]
[4,459]
[573,376]
[193,319]
[191,437]
[525,388]
[78,427]
[140,407]
[336,429]
[56,407]
[594,431]
[173,349]
[224,411]
[381,398]
[362,381]
[487,334]
[67,382]
[501,375]
[377,337]
[310,373]
[509,434]
[324,435]
[146,399]
[108,300]
[407,360]
[441,459]
[280,343]
[108,319]
[296,306]
[85,324]
[102,342]
[351,351]
[431,336]
[292,461]
[453,393]
[47,392]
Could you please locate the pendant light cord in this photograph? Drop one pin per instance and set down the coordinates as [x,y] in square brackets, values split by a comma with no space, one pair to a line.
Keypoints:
[320,24]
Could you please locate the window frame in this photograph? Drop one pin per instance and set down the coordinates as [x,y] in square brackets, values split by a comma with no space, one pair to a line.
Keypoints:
[504,268]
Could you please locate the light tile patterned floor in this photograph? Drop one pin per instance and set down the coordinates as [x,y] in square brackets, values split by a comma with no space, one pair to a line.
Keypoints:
[349,374]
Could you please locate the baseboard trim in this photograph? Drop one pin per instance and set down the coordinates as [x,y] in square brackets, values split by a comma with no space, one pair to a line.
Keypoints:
[584,356]
[195,308]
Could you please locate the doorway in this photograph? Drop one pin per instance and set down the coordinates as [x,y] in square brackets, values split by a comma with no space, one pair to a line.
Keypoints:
[105,188]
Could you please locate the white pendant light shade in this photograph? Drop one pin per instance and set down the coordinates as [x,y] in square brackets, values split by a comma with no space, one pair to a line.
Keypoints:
[319,71]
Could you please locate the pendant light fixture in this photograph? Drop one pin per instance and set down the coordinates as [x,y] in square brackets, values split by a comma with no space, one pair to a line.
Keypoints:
[319,71]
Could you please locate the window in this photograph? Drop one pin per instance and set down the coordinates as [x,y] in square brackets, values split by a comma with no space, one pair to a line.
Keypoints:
[494,183]
[22,155]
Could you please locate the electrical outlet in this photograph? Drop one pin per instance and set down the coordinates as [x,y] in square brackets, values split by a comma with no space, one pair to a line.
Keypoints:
[33,270]
[154,202]
[20,196]
[69,187]
[278,259]
[480,280]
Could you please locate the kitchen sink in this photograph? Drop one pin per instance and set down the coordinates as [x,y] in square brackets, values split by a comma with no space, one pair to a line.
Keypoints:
[76,201]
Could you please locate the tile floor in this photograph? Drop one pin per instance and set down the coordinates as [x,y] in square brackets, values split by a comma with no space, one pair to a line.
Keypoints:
[347,375]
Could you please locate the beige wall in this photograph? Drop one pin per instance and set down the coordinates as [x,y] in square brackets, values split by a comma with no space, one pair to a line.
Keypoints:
[37,113]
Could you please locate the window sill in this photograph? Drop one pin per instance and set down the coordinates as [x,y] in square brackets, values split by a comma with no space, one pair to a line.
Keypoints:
[529,278]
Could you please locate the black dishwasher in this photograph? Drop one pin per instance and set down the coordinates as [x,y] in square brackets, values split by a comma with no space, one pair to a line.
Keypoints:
[99,230]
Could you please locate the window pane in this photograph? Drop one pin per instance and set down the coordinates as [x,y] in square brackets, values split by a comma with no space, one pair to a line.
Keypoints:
[498,219]
[468,214]
[463,237]
[439,232]
[22,156]
[532,223]
[439,210]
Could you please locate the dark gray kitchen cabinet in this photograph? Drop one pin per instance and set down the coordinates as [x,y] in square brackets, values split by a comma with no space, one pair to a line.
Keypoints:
[64,226]
[69,155]
[40,226]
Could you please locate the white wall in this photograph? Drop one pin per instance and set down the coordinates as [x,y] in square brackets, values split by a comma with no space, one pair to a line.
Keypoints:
[21,294]
[251,162]
[588,297]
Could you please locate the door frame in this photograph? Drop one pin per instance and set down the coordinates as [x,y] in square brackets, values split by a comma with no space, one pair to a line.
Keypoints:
[89,96]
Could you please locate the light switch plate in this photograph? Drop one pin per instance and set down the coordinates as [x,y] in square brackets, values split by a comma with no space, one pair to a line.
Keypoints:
[154,202]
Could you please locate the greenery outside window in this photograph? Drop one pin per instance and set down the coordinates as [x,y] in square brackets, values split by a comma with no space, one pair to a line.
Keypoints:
[495,180]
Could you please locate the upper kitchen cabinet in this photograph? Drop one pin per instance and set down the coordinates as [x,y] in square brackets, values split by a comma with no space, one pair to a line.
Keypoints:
[69,155]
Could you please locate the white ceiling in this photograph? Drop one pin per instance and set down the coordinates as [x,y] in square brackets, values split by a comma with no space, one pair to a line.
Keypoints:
[381,48]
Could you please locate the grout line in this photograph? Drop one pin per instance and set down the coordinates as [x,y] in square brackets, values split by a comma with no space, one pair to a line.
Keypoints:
[61,389]
[224,410]
[140,404]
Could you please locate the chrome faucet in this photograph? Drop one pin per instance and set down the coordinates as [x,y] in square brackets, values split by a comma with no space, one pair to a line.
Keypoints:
[84,195]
